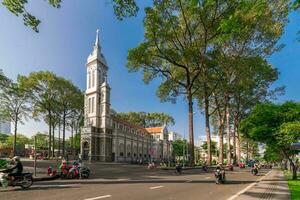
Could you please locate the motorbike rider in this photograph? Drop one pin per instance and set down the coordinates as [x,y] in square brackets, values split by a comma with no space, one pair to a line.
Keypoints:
[220,167]
[16,169]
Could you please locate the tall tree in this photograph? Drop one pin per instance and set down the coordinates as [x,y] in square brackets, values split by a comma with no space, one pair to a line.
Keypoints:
[178,40]
[275,125]
[14,106]
[69,99]
[42,87]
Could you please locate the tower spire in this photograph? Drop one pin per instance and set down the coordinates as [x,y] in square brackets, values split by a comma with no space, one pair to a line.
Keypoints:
[97,38]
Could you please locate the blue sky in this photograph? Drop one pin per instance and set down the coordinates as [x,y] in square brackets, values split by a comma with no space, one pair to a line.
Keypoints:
[66,38]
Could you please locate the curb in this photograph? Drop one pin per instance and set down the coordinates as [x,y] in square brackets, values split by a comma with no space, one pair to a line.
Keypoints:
[46,178]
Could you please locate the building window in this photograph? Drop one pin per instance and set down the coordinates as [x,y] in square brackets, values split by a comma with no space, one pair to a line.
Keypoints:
[93,78]
[93,99]
[89,108]
[89,81]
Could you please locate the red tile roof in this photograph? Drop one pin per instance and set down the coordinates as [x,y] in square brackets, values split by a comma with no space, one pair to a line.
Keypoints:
[155,129]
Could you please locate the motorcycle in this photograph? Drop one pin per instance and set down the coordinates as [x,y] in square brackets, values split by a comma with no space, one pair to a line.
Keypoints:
[78,171]
[220,176]
[23,180]
[178,169]
[254,171]
[204,168]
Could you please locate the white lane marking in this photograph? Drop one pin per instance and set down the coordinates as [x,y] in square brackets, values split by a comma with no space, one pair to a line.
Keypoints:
[156,187]
[189,181]
[100,197]
[207,177]
[248,187]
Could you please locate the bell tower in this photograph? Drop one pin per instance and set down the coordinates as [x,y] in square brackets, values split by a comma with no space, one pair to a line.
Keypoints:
[96,136]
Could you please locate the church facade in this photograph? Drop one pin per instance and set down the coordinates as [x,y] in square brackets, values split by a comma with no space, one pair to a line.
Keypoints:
[106,138]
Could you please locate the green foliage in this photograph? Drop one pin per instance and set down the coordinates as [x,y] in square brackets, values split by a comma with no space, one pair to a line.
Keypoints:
[294,186]
[125,8]
[179,146]
[21,140]
[213,147]
[146,119]
[272,155]
[3,137]
[3,164]
[17,7]
[42,140]
[276,125]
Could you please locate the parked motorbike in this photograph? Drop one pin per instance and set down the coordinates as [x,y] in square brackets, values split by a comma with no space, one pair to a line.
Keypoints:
[23,180]
[230,167]
[220,176]
[78,171]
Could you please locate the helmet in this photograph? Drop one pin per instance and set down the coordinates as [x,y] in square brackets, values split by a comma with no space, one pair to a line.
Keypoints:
[16,158]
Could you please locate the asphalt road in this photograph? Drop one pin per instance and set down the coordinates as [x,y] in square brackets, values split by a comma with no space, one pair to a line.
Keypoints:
[126,182]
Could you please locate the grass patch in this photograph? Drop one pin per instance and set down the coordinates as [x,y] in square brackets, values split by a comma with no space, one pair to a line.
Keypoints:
[294,186]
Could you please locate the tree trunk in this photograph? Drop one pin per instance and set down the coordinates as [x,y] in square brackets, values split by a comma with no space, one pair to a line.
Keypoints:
[64,134]
[72,136]
[15,136]
[59,138]
[53,141]
[191,128]
[294,168]
[247,150]
[234,140]
[50,140]
[238,146]
[221,139]
[207,129]
[228,135]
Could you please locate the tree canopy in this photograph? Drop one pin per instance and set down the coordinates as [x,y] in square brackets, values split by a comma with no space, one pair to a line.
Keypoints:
[146,120]
[277,125]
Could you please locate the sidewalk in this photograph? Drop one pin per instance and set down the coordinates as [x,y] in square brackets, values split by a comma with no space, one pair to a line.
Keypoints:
[272,186]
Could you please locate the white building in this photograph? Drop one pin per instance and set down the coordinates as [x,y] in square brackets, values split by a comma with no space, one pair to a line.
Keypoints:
[5,127]
[105,137]
[173,136]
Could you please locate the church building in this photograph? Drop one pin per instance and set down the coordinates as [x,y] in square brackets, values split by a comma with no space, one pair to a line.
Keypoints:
[106,138]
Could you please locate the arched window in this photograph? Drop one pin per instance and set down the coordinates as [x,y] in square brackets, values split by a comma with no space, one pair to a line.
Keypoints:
[93,78]
[89,79]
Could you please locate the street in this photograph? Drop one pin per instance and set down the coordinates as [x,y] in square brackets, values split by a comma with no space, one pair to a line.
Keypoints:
[135,182]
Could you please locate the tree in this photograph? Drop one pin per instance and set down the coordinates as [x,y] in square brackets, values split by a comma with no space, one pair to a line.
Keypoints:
[14,106]
[177,40]
[178,147]
[42,87]
[70,101]
[275,125]
[122,9]
[213,147]
[41,140]
[19,141]
[147,119]
[3,137]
